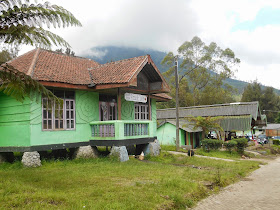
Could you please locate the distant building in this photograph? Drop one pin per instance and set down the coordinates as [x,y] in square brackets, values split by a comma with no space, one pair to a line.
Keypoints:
[272,129]
[240,116]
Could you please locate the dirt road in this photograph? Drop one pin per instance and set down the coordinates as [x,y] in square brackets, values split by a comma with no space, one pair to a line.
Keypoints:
[260,190]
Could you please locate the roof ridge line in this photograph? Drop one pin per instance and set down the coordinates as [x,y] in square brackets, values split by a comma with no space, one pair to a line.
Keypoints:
[30,71]
[121,60]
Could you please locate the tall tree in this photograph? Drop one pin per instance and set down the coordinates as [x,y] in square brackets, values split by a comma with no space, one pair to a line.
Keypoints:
[269,101]
[205,67]
[252,92]
[21,23]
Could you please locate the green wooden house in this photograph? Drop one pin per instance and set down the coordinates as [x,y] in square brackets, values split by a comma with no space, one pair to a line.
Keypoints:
[112,104]
[189,137]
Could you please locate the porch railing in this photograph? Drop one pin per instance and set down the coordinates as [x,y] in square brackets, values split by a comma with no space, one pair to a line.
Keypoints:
[121,129]
[132,129]
[103,130]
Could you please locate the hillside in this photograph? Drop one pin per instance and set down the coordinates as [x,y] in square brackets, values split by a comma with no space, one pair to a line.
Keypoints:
[113,53]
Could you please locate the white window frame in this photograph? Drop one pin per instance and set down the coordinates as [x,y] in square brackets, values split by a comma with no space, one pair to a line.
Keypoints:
[71,119]
[72,114]
[141,111]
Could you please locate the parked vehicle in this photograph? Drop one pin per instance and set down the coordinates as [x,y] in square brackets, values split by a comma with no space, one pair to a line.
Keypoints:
[262,139]
[276,137]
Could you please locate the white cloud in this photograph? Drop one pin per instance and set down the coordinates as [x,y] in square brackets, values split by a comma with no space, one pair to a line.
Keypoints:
[165,25]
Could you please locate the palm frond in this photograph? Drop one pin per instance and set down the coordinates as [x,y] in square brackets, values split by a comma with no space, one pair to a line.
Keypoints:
[22,22]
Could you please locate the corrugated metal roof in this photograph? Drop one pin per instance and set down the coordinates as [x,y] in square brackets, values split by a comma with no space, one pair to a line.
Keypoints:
[238,123]
[230,109]
[273,126]
[228,123]
[184,125]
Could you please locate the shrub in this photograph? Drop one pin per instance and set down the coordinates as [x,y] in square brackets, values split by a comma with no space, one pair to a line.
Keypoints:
[276,142]
[230,145]
[211,144]
[241,144]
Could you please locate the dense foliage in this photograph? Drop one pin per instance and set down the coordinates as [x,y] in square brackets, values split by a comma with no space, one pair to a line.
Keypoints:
[211,144]
[242,143]
[276,142]
[21,23]
[230,145]
[207,124]
[205,68]
[268,99]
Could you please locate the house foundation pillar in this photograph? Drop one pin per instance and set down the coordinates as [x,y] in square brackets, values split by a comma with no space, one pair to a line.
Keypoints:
[31,159]
[86,152]
[120,152]
[152,148]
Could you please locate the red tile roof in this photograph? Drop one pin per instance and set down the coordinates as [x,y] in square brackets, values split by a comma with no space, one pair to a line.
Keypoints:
[48,66]
[44,65]
[117,72]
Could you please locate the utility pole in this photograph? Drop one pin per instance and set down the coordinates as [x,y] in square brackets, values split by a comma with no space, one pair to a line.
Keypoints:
[177,102]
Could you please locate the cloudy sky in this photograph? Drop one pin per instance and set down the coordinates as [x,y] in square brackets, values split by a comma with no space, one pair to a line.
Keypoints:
[251,28]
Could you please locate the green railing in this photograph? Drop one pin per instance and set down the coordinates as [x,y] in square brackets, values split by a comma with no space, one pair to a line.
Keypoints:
[121,129]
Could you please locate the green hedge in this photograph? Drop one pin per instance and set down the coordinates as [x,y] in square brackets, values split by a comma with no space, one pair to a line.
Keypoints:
[230,145]
[241,144]
[276,142]
[211,144]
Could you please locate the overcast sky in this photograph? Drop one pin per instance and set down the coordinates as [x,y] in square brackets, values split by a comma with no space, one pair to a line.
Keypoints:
[251,28]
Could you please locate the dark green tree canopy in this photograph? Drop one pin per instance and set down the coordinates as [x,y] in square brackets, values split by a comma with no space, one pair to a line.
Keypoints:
[203,68]
[268,99]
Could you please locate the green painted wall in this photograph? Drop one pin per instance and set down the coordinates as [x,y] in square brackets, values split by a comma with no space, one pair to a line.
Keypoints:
[166,134]
[182,137]
[14,122]
[127,110]
[87,110]
[21,123]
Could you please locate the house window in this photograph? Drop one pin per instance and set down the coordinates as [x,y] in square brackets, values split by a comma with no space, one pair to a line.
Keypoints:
[141,112]
[59,116]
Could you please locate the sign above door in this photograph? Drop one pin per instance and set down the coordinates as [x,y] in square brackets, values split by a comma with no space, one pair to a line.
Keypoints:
[135,97]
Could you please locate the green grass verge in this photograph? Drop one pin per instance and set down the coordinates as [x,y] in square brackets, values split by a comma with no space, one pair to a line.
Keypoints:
[219,154]
[164,182]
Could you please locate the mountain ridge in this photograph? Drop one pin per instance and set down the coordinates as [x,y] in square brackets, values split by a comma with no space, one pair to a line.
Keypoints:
[105,54]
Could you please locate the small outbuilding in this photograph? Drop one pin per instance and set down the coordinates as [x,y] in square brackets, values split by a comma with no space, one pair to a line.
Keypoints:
[272,129]
[187,133]
[240,116]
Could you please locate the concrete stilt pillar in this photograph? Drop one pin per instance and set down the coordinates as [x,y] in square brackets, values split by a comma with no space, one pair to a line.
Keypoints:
[120,153]
[152,148]
[86,152]
[31,159]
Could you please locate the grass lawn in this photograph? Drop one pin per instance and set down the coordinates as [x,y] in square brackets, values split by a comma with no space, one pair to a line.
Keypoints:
[164,182]
[219,154]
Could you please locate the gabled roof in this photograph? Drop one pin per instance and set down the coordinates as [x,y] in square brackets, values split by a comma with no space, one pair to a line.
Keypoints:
[44,65]
[117,72]
[48,66]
